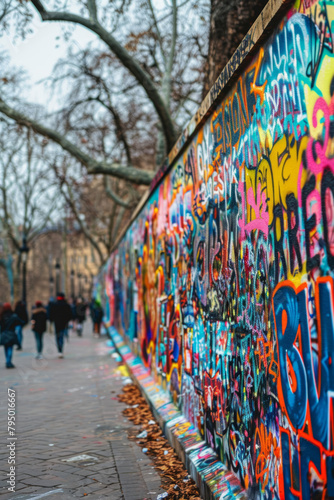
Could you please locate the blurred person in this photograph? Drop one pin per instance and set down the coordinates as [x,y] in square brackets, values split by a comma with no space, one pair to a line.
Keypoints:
[38,325]
[96,313]
[21,311]
[8,323]
[80,312]
[61,315]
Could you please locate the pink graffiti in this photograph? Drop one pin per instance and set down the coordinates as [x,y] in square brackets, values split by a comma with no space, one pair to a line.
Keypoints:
[261,220]
[318,163]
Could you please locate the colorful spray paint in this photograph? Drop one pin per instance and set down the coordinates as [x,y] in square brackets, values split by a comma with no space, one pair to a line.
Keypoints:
[225,279]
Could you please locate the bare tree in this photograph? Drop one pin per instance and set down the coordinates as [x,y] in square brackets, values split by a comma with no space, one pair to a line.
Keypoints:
[91,202]
[158,57]
[6,262]
[28,199]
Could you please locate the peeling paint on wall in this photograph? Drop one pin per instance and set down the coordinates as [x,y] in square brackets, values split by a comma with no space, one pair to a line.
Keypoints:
[224,282]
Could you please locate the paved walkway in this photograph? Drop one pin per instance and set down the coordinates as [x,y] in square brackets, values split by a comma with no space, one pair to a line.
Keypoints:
[66,408]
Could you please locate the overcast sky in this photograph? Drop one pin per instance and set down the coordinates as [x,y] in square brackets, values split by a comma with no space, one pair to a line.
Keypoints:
[39,53]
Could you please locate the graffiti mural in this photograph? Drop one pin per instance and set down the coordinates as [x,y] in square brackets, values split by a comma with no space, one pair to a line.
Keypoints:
[224,282]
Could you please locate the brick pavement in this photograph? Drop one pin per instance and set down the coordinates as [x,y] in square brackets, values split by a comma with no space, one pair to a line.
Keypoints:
[65,408]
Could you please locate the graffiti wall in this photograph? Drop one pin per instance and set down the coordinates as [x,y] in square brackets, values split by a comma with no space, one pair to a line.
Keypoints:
[225,279]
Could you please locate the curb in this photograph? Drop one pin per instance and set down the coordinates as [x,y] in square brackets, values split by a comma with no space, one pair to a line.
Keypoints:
[213,479]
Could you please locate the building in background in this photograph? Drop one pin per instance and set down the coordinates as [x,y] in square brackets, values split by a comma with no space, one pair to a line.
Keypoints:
[60,262]
[57,261]
[65,255]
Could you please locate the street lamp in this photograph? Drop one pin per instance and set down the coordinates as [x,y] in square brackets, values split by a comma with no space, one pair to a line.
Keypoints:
[57,268]
[24,254]
[72,284]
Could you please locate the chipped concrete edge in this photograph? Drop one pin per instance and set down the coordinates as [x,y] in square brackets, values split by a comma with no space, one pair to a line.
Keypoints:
[260,30]
[214,480]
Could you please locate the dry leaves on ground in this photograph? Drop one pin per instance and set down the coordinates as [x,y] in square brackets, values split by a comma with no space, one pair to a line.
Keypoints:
[175,479]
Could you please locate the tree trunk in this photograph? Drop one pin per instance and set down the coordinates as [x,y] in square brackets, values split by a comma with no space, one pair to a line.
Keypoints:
[229,23]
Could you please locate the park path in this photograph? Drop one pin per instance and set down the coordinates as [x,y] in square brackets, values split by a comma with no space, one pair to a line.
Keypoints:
[67,408]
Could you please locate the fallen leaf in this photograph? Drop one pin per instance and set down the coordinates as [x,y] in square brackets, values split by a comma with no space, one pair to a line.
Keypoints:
[168,465]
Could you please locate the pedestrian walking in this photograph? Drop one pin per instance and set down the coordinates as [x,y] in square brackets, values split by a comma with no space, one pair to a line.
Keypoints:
[96,312]
[80,313]
[61,314]
[8,323]
[38,325]
[21,311]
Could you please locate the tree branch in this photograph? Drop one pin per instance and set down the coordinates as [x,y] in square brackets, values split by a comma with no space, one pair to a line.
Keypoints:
[6,11]
[120,130]
[69,198]
[113,195]
[39,6]
[91,5]
[166,86]
[6,219]
[155,24]
[118,222]
[129,173]
[126,59]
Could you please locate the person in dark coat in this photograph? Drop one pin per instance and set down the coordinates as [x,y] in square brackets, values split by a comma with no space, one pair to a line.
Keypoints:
[8,323]
[21,311]
[96,313]
[49,307]
[38,324]
[60,314]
